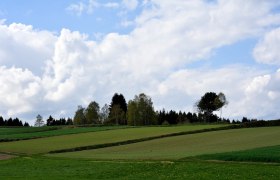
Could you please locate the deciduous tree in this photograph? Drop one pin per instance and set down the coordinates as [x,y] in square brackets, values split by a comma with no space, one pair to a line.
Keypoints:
[39,121]
[210,102]
[104,113]
[79,117]
[141,111]
[92,113]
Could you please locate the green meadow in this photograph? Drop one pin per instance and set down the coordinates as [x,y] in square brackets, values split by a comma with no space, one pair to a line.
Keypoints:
[174,148]
[64,141]
[10,134]
[57,168]
[263,154]
[244,153]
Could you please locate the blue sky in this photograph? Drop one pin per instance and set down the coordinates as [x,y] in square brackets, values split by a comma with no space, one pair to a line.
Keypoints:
[55,15]
[61,54]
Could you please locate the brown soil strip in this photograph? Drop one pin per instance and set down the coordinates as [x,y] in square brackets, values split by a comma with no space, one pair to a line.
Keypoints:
[5,156]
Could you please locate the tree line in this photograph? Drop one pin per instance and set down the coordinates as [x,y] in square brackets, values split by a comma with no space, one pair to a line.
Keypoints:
[140,111]
[137,112]
[57,122]
[12,122]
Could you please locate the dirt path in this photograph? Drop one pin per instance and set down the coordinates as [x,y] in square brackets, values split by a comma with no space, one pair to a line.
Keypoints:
[5,156]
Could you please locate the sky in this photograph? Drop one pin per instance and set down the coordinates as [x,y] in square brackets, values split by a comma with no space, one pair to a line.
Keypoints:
[56,55]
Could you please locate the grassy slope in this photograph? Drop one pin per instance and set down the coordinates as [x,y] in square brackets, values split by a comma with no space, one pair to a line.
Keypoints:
[187,145]
[44,145]
[16,130]
[45,168]
[34,132]
[5,131]
[264,154]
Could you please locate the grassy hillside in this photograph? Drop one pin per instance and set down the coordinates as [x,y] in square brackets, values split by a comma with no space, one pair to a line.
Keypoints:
[9,134]
[44,145]
[173,155]
[4,131]
[187,145]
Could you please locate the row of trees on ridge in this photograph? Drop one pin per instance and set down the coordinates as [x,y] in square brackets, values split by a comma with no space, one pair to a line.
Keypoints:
[137,112]
[140,111]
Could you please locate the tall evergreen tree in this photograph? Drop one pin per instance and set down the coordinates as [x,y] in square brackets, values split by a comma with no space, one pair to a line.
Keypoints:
[50,121]
[69,121]
[2,122]
[118,109]
[10,122]
[26,124]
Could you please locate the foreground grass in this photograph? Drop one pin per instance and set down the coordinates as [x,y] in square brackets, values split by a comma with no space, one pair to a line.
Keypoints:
[44,145]
[9,134]
[186,145]
[265,154]
[46,168]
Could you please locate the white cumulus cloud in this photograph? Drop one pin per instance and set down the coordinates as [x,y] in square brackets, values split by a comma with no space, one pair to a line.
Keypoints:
[267,50]
[19,92]
[25,47]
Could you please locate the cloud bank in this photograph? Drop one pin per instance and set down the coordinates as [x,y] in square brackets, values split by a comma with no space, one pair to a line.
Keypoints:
[48,73]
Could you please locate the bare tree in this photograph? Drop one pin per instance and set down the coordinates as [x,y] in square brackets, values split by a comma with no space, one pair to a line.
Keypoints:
[39,121]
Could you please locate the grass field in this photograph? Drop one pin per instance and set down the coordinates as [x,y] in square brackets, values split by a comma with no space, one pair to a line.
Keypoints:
[5,131]
[203,155]
[44,145]
[264,154]
[38,132]
[50,168]
[186,145]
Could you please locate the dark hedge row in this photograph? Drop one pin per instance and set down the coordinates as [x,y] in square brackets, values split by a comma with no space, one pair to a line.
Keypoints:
[260,123]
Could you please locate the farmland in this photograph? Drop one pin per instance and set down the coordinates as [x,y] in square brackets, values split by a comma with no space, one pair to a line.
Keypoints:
[174,148]
[198,155]
[10,134]
[44,145]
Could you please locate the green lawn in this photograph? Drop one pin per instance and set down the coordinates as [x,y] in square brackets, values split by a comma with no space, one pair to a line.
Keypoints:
[46,168]
[264,154]
[186,145]
[44,145]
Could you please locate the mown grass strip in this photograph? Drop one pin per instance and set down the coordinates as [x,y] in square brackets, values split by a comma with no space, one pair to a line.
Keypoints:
[264,154]
[98,146]
[184,146]
[45,145]
[19,130]
[18,134]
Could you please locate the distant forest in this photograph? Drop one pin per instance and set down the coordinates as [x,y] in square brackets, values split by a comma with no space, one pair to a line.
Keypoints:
[12,122]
